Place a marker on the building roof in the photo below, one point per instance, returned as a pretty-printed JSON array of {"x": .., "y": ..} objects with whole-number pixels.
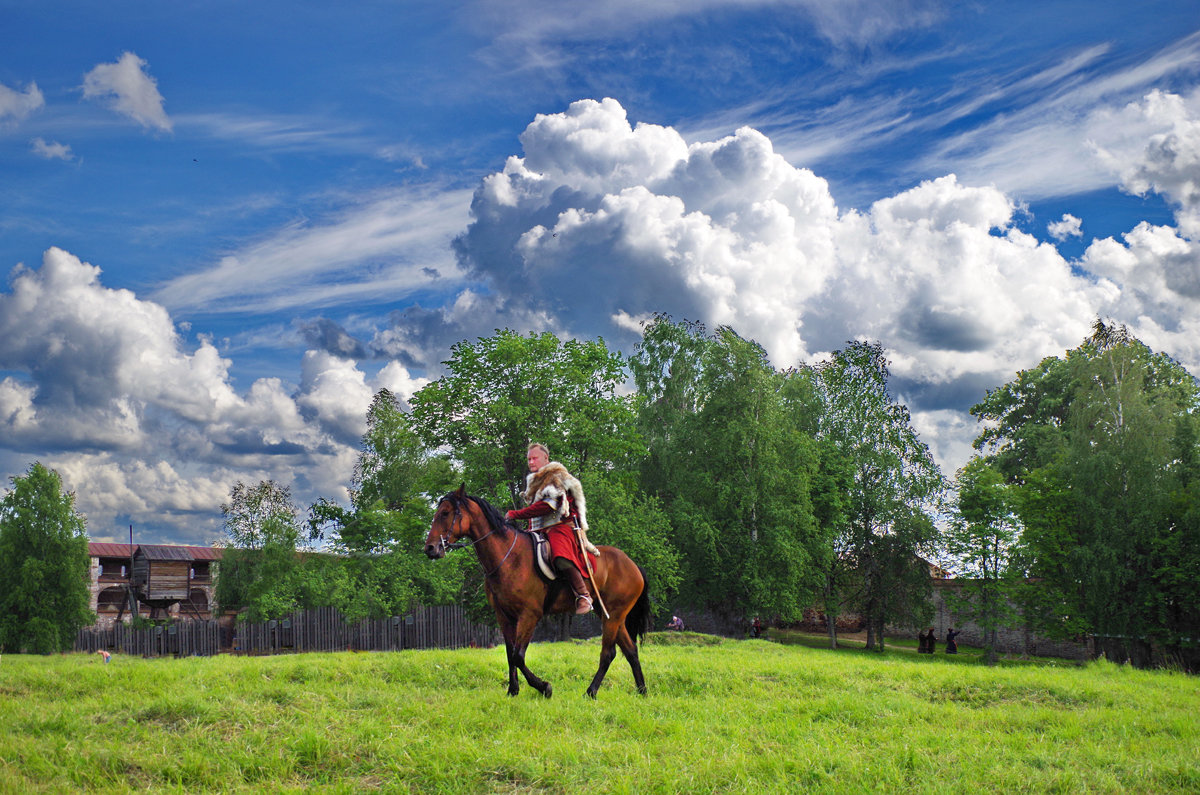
[{"x": 98, "y": 549}]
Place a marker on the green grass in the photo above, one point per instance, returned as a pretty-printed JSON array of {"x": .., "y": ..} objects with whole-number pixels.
[{"x": 732, "y": 716}]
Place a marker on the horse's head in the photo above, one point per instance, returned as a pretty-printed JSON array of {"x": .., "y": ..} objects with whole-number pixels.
[{"x": 450, "y": 523}]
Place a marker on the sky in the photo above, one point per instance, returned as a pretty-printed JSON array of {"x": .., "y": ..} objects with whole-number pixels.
[{"x": 225, "y": 225}]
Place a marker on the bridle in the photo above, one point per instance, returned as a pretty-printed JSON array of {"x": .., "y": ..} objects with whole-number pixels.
[{"x": 445, "y": 547}]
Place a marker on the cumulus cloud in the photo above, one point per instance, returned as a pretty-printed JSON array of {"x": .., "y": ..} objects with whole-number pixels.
[
  {"x": 328, "y": 336},
  {"x": 141, "y": 423},
  {"x": 127, "y": 87},
  {"x": 601, "y": 222},
  {"x": 16, "y": 105},
  {"x": 1069, "y": 226},
  {"x": 1169, "y": 164}
]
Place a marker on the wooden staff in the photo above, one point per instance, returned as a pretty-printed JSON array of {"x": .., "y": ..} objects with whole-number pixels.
[{"x": 587, "y": 561}]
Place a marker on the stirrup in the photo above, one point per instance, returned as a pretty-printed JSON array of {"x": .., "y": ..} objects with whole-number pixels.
[{"x": 583, "y": 604}]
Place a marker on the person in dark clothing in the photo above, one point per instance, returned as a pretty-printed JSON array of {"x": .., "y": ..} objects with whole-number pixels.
[
  {"x": 951, "y": 646},
  {"x": 930, "y": 642},
  {"x": 756, "y": 628},
  {"x": 922, "y": 642}
]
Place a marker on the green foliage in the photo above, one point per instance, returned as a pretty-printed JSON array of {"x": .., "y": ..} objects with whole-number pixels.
[
  {"x": 893, "y": 484},
  {"x": 620, "y": 515},
  {"x": 982, "y": 538},
  {"x": 260, "y": 570},
  {"x": 732, "y": 467},
  {"x": 1101, "y": 447},
  {"x": 380, "y": 537},
  {"x": 505, "y": 391},
  {"x": 43, "y": 565}
]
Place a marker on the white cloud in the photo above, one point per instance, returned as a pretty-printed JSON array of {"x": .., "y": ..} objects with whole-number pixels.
[
  {"x": 376, "y": 250},
  {"x": 1075, "y": 137},
  {"x": 1069, "y": 226},
  {"x": 157, "y": 429},
  {"x": 530, "y": 25},
  {"x": 16, "y": 105},
  {"x": 129, "y": 90},
  {"x": 1169, "y": 164},
  {"x": 52, "y": 150},
  {"x": 602, "y": 222}
]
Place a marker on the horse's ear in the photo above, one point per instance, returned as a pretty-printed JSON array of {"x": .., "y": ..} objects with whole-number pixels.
[{"x": 462, "y": 490}]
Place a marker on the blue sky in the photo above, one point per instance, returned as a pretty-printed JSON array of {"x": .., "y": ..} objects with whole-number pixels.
[{"x": 225, "y": 225}]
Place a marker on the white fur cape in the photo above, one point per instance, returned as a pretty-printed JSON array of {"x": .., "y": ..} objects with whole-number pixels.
[{"x": 551, "y": 484}]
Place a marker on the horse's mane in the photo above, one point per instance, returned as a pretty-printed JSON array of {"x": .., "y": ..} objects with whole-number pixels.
[{"x": 495, "y": 519}]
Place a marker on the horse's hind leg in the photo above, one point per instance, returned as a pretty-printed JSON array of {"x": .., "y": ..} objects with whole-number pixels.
[
  {"x": 629, "y": 649},
  {"x": 524, "y": 633},
  {"x": 607, "y": 652}
]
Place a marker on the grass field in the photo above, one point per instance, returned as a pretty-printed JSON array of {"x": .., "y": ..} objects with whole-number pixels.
[{"x": 732, "y": 716}]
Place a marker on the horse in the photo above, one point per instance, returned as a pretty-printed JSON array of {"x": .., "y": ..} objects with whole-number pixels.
[{"x": 520, "y": 595}]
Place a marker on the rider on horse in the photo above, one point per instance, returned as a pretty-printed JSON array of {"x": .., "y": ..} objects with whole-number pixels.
[{"x": 556, "y": 504}]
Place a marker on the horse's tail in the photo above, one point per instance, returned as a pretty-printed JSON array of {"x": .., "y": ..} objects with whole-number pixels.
[{"x": 637, "y": 620}]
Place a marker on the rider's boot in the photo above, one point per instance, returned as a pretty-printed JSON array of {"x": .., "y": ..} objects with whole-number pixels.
[{"x": 583, "y": 602}]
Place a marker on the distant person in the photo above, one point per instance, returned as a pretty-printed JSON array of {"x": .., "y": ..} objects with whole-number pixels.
[
  {"x": 676, "y": 624},
  {"x": 930, "y": 642},
  {"x": 756, "y": 628},
  {"x": 922, "y": 642},
  {"x": 951, "y": 646},
  {"x": 105, "y": 655}
]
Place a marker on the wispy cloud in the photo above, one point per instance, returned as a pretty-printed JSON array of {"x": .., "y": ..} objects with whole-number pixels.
[
  {"x": 857, "y": 22},
  {"x": 376, "y": 252},
  {"x": 292, "y": 133},
  {"x": 1045, "y": 148}
]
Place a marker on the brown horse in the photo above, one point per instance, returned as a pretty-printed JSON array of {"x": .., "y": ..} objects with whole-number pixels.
[{"x": 520, "y": 595}]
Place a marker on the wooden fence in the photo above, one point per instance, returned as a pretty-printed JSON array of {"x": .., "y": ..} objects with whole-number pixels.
[
  {"x": 181, "y": 639},
  {"x": 322, "y": 629}
]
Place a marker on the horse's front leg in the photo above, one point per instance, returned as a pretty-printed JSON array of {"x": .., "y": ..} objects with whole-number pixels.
[
  {"x": 508, "y": 629},
  {"x": 526, "y": 623}
]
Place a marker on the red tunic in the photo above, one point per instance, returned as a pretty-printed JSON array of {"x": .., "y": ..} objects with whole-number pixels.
[{"x": 563, "y": 541}]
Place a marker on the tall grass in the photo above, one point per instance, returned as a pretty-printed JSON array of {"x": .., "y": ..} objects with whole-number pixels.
[{"x": 737, "y": 716}]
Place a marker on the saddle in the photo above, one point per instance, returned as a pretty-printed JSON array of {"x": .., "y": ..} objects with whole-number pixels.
[{"x": 541, "y": 547}]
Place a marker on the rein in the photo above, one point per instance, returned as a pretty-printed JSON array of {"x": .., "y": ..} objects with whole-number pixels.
[{"x": 464, "y": 544}]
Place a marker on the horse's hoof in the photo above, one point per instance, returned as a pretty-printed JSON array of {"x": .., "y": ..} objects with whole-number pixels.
[
  {"x": 642, "y": 690},
  {"x": 512, "y": 691},
  {"x": 549, "y": 691},
  {"x": 591, "y": 694}
]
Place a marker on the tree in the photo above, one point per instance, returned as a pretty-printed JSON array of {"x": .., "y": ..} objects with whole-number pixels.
[
  {"x": 260, "y": 570},
  {"x": 502, "y": 392},
  {"x": 1105, "y": 498},
  {"x": 733, "y": 469},
  {"x": 894, "y": 482},
  {"x": 379, "y": 537},
  {"x": 43, "y": 565},
  {"x": 982, "y": 538}
]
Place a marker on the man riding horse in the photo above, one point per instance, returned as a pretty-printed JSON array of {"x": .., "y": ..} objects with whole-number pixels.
[{"x": 556, "y": 507}]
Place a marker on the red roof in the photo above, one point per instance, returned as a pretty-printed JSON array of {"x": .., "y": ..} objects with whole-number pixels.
[{"x": 99, "y": 549}]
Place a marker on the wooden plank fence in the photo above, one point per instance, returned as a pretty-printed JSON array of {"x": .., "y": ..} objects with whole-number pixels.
[
  {"x": 180, "y": 639},
  {"x": 321, "y": 629}
]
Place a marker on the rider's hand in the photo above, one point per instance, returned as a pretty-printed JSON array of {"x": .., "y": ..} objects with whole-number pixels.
[{"x": 509, "y": 516}]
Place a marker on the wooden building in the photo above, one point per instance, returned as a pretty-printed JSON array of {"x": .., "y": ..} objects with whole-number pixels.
[{"x": 180, "y": 579}]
